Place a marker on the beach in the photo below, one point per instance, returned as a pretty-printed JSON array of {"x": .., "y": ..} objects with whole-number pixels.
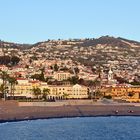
[{"x": 11, "y": 111}]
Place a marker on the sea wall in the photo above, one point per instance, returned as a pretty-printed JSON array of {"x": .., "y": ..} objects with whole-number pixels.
[{"x": 57, "y": 103}]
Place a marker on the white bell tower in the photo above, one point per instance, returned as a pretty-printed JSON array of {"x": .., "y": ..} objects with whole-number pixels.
[{"x": 110, "y": 75}]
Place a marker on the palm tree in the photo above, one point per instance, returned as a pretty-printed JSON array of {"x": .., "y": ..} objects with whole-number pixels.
[
  {"x": 65, "y": 95},
  {"x": 98, "y": 94},
  {"x": 4, "y": 77},
  {"x": 12, "y": 81},
  {"x": 1, "y": 90},
  {"x": 36, "y": 92},
  {"x": 46, "y": 92}
]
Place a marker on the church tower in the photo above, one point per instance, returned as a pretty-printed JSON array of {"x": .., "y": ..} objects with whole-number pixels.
[{"x": 110, "y": 75}]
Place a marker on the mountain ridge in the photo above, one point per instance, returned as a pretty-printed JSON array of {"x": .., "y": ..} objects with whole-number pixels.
[{"x": 103, "y": 40}]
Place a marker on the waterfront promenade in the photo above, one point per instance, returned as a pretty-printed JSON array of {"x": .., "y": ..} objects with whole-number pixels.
[{"x": 13, "y": 111}]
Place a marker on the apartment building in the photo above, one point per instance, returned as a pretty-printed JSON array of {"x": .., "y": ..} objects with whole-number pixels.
[{"x": 60, "y": 75}]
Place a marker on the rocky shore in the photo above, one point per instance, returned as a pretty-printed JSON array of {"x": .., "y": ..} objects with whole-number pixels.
[{"x": 11, "y": 111}]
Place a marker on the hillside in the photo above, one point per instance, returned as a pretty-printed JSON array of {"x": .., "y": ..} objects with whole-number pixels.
[
  {"x": 122, "y": 54},
  {"x": 104, "y": 40},
  {"x": 4, "y": 44}
]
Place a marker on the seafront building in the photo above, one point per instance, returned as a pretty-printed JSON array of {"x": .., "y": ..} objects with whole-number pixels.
[
  {"x": 103, "y": 82},
  {"x": 24, "y": 89},
  {"x": 122, "y": 92},
  {"x": 125, "y": 92}
]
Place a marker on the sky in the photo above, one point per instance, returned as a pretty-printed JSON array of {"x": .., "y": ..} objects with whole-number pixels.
[{"x": 31, "y": 21}]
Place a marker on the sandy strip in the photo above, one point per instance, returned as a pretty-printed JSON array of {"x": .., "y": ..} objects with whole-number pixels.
[{"x": 10, "y": 111}]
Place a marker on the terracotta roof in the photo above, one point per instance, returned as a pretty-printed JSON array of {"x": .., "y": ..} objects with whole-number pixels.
[{"x": 20, "y": 78}]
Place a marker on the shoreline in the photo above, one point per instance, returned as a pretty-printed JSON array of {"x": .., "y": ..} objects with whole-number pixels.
[
  {"x": 48, "y": 118},
  {"x": 10, "y": 111}
]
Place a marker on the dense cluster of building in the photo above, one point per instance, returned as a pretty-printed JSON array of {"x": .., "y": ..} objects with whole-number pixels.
[{"x": 109, "y": 70}]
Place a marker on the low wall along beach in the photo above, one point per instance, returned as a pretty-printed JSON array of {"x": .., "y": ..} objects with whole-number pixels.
[{"x": 57, "y": 103}]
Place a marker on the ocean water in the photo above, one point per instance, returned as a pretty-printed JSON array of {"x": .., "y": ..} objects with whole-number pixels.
[{"x": 92, "y": 128}]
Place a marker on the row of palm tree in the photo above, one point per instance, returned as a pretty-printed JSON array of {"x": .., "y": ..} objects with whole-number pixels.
[
  {"x": 45, "y": 93},
  {"x": 7, "y": 81},
  {"x": 12, "y": 81}
]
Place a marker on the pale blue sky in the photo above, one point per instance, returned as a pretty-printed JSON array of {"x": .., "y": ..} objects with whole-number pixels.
[{"x": 30, "y": 21}]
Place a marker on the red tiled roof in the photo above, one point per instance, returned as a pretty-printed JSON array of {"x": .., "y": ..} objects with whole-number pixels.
[{"x": 20, "y": 78}]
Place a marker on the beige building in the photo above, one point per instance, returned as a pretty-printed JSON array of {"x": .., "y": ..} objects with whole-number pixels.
[
  {"x": 70, "y": 92},
  {"x": 60, "y": 76}
]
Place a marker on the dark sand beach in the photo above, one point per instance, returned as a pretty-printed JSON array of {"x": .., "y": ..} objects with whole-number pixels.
[{"x": 11, "y": 111}]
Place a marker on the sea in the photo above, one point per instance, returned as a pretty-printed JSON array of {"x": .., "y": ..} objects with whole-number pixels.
[{"x": 86, "y": 128}]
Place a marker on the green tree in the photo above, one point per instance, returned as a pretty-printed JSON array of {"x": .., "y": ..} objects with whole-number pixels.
[
  {"x": 1, "y": 90},
  {"x": 56, "y": 67},
  {"x": 46, "y": 92},
  {"x": 42, "y": 78},
  {"x": 15, "y": 60},
  {"x": 131, "y": 94},
  {"x": 97, "y": 94},
  {"x": 36, "y": 92},
  {"x": 12, "y": 81},
  {"x": 76, "y": 70},
  {"x": 39, "y": 77},
  {"x": 65, "y": 95},
  {"x": 4, "y": 77},
  {"x": 73, "y": 80},
  {"x": 108, "y": 97}
]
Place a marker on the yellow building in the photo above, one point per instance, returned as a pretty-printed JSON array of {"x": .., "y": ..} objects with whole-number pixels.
[
  {"x": 131, "y": 93},
  {"x": 70, "y": 92},
  {"x": 24, "y": 88}
]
